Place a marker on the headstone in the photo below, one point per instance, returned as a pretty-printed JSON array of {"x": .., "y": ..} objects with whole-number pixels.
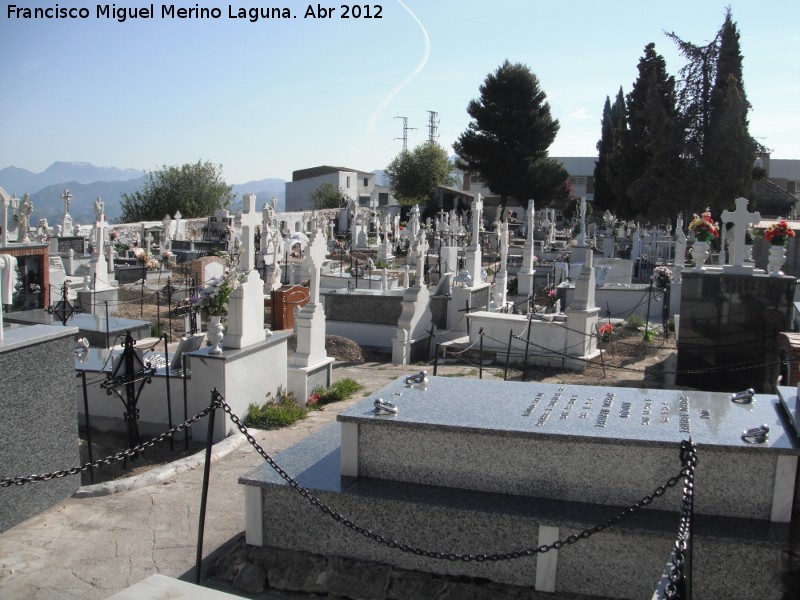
[
  {"x": 741, "y": 220},
  {"x": 310, "y": 366},
  {"x": 67, "y": 223},
  {"x": 526, "y": 274},
  {"x": 729, "y": 330},
  {"x": 246, "y": 303},
  {"x": 474, "y": 256}
]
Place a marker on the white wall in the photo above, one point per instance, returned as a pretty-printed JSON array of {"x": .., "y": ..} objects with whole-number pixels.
[{"x": 298, "y": 193}]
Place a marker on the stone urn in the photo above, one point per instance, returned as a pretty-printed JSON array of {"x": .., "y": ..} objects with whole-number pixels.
[
  {"x": 700, "y": 253},
  {"x": 777, "y": 256},
  {"x": 215, "y": 334}
]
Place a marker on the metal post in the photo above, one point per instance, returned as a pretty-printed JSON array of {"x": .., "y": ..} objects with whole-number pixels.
[
  {"x": 185, "y": 401},
  {"x": 141, "y": 298},
  {"x": 647, "y": 316},
  {"x": 204, "y": 492},
  {"x": 527, "y": 345},
  {"x": 508, "y": 353},
  {"x": 169, "y": 394},
  {"x": 480, "y": 355},
  {"x": 108, "y": 327},
  {"x": 82, "y": 375}
]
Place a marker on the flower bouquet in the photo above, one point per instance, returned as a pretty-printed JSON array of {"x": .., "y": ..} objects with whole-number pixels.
[
  {"x": 662, "y": 277},
  {"x": 704, "y": 227},
  {"x": 212, "y": 300},
  {"x": 605, "y": 331},
  {"x": 778, "y": 234}
]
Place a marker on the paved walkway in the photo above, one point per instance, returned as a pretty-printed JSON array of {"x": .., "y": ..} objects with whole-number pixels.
[{"x": 92, "y": 546}]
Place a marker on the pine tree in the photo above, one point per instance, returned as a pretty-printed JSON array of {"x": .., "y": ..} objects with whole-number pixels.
[
  {"x": 508, "y": 139},
  {"x": 604, "y": 197},
  {"x": 730, "y": 150}
]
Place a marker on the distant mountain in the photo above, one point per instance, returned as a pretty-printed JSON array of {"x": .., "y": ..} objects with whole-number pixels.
[
  {"x": 264, "y": 189},
  {"x": 48, "y": 204},
  {"x": 86, "y": 183},
  {"x": 20, "y": 181}
]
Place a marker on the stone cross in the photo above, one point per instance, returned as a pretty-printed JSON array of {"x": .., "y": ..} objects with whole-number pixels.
[
  {"x": 422, "y": 257},
  {"x": 531, "y": 217},
  {"x": 67, "y": 198},
  {"x": 477, "y": 211},
  {"x": 741, "y": 219},
  {"x": 315, "y": 256},
  {"x": 250, "y": 221}
]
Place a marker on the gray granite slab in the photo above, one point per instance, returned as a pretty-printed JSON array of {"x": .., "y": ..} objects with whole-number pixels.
[
  {"x": 735, "y": 558},
  {"x": 602, "y": 414}
]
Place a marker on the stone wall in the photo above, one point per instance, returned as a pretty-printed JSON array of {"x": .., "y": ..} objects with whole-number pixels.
[
  {"x": 367, "y": 309},
  {"x": 39, "y": 427}
]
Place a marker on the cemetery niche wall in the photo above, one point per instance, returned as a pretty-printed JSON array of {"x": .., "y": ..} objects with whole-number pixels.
[
  {"x": 729, "y": 330},
  {"x": 38, "y": 430}
]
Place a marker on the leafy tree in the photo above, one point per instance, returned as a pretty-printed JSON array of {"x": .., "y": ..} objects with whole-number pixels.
[
  {"x": 509, "y": 137},
  {"x": 415, "y": 175},
  {"x": 328, "y": 195},
  {"x": 196, "y": 190}
]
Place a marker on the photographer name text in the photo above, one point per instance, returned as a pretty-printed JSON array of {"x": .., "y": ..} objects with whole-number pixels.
[{"x": 121, "y": 14}]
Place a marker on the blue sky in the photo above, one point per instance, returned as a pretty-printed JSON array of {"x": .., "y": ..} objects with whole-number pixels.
[{"x": 269, "y": 97}]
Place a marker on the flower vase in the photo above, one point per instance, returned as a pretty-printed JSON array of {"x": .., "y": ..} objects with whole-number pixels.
[
  {"x": 777, "y": 256},
  {"x": 700, "y": 253},
  {"x": 215, "y": 334}
]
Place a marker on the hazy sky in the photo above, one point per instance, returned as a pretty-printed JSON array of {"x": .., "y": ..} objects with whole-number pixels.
[{"x": 268, "y": 97}]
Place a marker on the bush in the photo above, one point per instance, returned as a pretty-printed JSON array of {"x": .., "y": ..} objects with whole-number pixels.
[
  {"x": 635, "y": 322},
  {"x": 336, "y": 392},
  {"x": 274, "y": 413}
]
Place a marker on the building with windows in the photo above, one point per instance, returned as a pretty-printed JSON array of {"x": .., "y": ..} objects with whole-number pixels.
[{"x": 358, "y": 186}]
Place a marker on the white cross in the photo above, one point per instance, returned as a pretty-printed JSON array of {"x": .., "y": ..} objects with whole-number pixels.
[
  {"x": 315, "y": 255},
  {"x": 740, "y": 219},
  {"x": 477, "y": 210},
  {"x": 67, "y": 198},
  {"x": 422, "y": 257},
  {"x": 250, "y": 220}
]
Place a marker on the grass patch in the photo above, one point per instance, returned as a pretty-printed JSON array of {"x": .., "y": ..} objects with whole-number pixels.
[
  {"x": 462, "y": 374},
  {"x": 280, "y": 411},
  {"x": 336, "y": 392}
]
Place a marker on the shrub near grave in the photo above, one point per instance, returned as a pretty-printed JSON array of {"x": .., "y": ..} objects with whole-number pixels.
[
  {"x": 281, "y": 411},
  {"x": 336, "y": 392}
]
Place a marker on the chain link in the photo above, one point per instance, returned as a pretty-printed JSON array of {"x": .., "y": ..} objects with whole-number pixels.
[
  {"x": 688, "y": 459},
  {"x": 129, "y": 453},
  {"x": 677, "y": 580},
  {"x": 390, "y": 543}
]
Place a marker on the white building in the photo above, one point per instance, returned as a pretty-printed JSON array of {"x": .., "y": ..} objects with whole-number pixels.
[{"x": 356, "y": 185}]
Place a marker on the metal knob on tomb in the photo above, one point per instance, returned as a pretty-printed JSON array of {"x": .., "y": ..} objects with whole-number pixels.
[
  {"x": 756, "y": 435},
  {"x": 384, "y": 407},
  {"x": 745, "y": 397},
  {"x": 420, "y": 378}
]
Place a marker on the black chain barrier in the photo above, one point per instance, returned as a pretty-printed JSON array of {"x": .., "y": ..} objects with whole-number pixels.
[
  {"x": 129, "y": 453},
  {"x": 679, "y": 577},
  {"x": 390, "y": 543}
]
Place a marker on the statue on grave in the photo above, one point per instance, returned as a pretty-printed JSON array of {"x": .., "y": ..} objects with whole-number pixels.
[
  {"x": 24, "y": 213},
  {"x": 99, "y": 209}
]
